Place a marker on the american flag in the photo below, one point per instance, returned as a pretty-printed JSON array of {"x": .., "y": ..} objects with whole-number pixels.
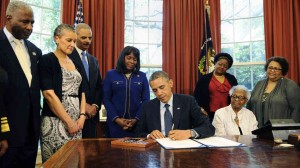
[{"x": 79, "y": 14}]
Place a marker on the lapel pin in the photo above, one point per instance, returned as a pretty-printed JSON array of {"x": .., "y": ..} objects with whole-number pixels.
[
  {"x": 138, "y": 76},
  {"x": 33, "y": 53},
  {"x": 178, "y": 108}
]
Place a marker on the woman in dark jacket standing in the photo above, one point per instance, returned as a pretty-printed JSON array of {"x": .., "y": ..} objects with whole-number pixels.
[{"x": 212, "y": 90}]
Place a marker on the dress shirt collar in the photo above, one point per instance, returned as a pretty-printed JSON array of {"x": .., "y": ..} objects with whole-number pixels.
[
  {"x": 10, "y": 37},
  {"x": 170, "y": 102},
  {"x": 79, "y": 51}
]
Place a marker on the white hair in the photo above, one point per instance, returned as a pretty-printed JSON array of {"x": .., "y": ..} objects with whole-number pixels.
[
  {"x": 15, "y": 5},
  {"x": 240, "y": 87}
]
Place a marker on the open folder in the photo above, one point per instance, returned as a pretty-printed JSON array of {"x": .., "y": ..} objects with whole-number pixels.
[{"x": 211, "y": 142}]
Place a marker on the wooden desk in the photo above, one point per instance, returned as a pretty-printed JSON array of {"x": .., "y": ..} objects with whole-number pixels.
[{"x": 99, "y": 153}]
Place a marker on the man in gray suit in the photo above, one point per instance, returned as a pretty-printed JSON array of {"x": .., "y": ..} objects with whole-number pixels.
[
  {"x": 19, "y": 58},
  {"x": 184, "y": 120},
  {"x": 91, "y": 78}
]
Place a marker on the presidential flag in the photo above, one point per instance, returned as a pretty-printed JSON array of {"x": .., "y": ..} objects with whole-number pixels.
[
  {"x": 206, "y": 58},
  {"x": 79, "y": 13}
]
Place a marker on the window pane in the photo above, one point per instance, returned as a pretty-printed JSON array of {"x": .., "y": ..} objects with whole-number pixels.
[
  {"x": 258, "y": 51},
  {"x": 144, "y": 53},
  {"x": 155, "y": 55},
  {"x": 258, "y": 73},
  {"x": 128, "y": 31},
  {"x": 33, "y": 2},
  {"x": 257, "y": 28},
  {"x": 54, "y": 4},
  {"x": 256, "y": 7},
  {"x": 242, "y": 52},
  {"x": 226, "y": 31},
  {"x": 129, "y": 9},
  {"x": 241, "y": 9},
  {"x": 37, "y": 19},
  {"x": 242, "y": 30},
  {"x": 155, "y": 10},
  {"x": 144, "y": 30},
  {"x": 228, "y": 48},
  {"x": 47, "y": 44},
  {"x": 228, "y": 13},
  {"x": 140, "y": 32},
  {"x": 243, "y": 75},
  {"x": 155, "y": 32},
  {"x": 50, "y": 20},
  {"x": 35, "y": 38},
  {"x": 141, "y": 10}
]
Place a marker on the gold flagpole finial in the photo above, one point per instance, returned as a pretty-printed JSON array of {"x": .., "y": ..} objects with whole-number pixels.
[{"x": 207, "y": 7}]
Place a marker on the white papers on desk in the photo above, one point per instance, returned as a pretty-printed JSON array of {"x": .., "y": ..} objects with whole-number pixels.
[
  {"x": 219, "y": 142},
  {"x": 179, "y": 144},
  {"x": 211, "y": 142}
]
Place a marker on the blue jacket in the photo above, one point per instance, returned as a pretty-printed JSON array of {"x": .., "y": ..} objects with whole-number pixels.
[{"x": 123, "y": 98}]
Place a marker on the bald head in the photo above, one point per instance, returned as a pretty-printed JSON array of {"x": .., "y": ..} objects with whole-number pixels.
[
  {"x": 19, "y": 19},
  {"x": 84, "y": 36}
]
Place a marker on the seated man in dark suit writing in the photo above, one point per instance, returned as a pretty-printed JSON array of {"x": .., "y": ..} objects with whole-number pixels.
[{"x": 172, "y": 115}]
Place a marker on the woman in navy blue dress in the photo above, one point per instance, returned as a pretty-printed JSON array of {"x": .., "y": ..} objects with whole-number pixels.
[{"x": 126, "y": 89}]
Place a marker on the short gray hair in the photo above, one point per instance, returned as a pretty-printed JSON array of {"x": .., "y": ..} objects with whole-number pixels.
[
  {"x": 58, "y": 30},
  {"x": 240, "y": 87},
  {"x": 15, "y": 5},
  {"x": 80, "y": 26},
  {"x": 159, "y": 74}
]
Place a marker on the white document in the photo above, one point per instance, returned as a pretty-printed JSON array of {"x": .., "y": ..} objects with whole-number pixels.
[
  {"x": 211, "y": 142},
  {"x": 179, "y": 144},
  {"x": 219, "y": 142}
]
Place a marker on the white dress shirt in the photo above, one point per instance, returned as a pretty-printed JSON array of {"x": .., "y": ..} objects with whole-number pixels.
[
  {"x": 225, "y": 125},
  {"x": 162, "y": 113}
]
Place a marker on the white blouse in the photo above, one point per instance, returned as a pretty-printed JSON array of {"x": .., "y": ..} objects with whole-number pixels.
[{"x": 225, "y": 124}]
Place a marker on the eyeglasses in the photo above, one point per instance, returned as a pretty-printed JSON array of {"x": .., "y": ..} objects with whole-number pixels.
[
  {"x": 235, "y": 97},
  {"x": 274, "y": 69}
]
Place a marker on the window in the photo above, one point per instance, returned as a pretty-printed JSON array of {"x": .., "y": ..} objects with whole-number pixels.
[
  {"x": 47, "y": 15},
  {"x": 242, "y": 35},
  {"x": 143, "y": 29}
]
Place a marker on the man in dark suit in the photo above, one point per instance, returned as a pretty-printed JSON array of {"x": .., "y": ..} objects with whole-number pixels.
[
  {"x": 19, "y": 58},
  {"x": 4, "y": 127},
  {"x": 91, "y": 78},
  {"x": 185, "y": 119}
]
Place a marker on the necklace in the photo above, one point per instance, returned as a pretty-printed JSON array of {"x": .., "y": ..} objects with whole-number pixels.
[{"x": 67, "y": 60}]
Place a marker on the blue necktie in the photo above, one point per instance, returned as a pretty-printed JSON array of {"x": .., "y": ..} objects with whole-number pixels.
[
  {"x": 168, "y": 120},
  {"x": 85, "y": 64}
]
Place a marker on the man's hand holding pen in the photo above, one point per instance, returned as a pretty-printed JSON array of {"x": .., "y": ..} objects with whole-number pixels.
[{"x": 179, "y": 134}]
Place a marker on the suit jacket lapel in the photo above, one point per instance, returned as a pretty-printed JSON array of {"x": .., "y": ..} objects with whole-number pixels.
[
  {"x": 91, "y": 68},
  {"x": 77, "y": 59},
  {"x": 33, "y": 57},
  {"x": 7, "y": 49},
  {"x": 10, "y": 54},
  {"x": 156, "y": 115},
  {"x": 176, "y": 111}
]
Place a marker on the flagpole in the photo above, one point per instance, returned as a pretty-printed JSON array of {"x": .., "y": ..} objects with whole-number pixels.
[{"x": 206, "y": 46}]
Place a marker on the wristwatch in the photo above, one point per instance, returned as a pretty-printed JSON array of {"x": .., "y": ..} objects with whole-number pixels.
[
  {"x": 193, "y": 133},
  {"x": 97, "y": 107}
]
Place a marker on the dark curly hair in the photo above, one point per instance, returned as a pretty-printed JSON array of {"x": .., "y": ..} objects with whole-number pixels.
[
  {"x": 121, "y": 67},
  {"x": 224, "y": 56},
  {"x": 280, "y": 60}
]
